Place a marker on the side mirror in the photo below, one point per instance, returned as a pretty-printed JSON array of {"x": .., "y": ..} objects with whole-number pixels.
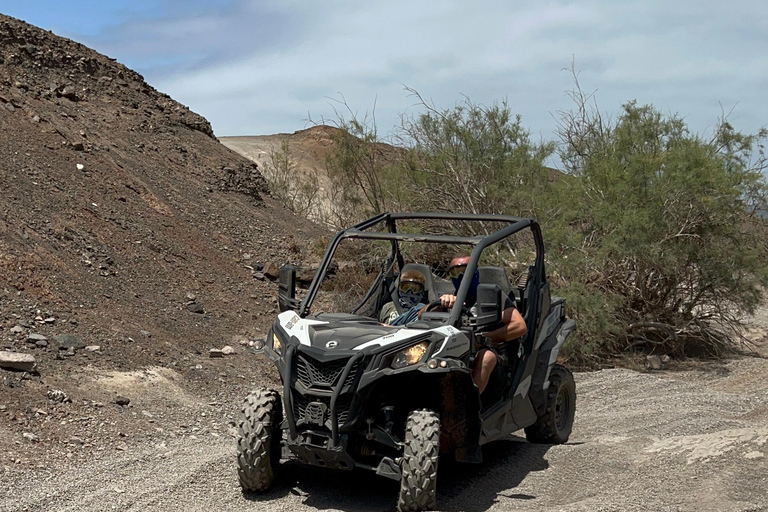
[
  {"x": 286, "y": 292},
  {"x": 489, "y": 306}
]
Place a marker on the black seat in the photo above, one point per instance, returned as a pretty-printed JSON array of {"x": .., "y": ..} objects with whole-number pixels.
[
  {"x": 497, "y": 276},
  {"x": 443, "y": 287}
]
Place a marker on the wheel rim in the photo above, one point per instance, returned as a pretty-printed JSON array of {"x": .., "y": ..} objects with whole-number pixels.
[{"x": 562, "y": 408}]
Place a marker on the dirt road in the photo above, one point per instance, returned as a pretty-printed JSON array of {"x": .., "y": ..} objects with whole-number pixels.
[{"x": 683, "y": 440}]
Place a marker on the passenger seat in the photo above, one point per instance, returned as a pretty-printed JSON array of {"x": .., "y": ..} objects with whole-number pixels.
[{"x": 498, "y": 276}]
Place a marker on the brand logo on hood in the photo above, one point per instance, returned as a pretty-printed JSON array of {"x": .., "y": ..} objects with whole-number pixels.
[{"x": 332, "y": 344}]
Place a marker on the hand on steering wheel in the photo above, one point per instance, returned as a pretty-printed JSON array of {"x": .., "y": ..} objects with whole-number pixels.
[
  {"x": 434, "y": 305},
  {"x": 445, "y": 303}
]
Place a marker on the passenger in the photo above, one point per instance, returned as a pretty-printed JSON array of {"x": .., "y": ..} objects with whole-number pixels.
[
  {"x": 487, "y": 358},
  {"x": 411, "y": 292}
]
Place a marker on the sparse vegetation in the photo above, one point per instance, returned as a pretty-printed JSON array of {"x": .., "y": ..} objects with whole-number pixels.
[
  {"x": 297, "y": 189},
  {"x": 655, "y": 233}
]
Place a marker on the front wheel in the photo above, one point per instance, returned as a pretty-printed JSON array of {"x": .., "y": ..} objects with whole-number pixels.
[
  {"x": 418, "y": 483},
  {"x": 258, "y": 444},
  {"x": 555, "y": 424}
]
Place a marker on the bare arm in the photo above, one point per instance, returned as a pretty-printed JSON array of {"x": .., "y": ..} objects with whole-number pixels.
[
  {"x": 514, "y": 327},
  {"x": 446, "y": 301}
]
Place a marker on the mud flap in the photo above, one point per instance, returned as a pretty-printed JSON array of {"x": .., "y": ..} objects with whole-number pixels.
[
  {"x": 460, "y": 422},
  {"x": 546, "y": 360}
]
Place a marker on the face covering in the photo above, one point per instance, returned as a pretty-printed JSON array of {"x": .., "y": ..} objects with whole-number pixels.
[
  {"x": 410, "y": 299},
  {"x": 472, "y": 292}
]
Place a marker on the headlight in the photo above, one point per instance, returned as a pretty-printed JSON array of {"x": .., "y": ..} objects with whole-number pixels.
[
  {"x": 277, "y": 345},
  {"x": 410, "y": 355}
]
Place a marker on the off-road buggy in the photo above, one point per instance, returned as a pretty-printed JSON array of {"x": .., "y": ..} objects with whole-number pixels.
[{"x": 360, "y": 394}]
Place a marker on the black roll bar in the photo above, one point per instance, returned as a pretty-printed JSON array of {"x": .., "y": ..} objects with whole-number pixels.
[{"x": 359, "y": 231}]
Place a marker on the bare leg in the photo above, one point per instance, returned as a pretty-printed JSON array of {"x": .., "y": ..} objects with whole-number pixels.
[{"x": 485, "y": 362}]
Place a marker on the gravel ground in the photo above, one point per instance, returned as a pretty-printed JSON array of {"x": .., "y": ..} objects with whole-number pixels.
[{"x": 682, "y": 440}]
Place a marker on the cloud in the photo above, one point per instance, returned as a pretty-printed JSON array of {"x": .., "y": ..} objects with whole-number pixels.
[{"x": 252, "y": 66}]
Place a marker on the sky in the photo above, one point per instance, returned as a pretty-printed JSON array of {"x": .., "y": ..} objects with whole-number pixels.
[{"x": 255, "y": 67}]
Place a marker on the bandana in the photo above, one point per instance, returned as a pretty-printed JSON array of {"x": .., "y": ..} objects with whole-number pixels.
[{"x": 410, "y": 299}]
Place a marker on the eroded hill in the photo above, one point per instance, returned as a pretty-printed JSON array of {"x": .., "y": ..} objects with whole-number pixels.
[{"x": 124, "y": 224}]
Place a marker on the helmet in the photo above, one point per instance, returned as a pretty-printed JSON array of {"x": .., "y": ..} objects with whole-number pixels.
[
  {"x": 411, "y": 288},
  {"x": 456, "y": 271}
]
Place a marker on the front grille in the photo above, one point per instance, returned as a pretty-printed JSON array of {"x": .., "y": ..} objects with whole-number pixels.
[
  {"x": 301, "y": 403},
  {"x": 312, "y": 372}
]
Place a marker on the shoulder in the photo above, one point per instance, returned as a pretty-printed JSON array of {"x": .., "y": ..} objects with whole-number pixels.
[{"x": 386, "y": 312}]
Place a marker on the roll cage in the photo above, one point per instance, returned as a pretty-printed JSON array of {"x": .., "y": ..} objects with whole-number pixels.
[{"x": 479, "y": 243}]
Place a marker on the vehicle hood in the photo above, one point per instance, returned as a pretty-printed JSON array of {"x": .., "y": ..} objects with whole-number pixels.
[{"x": 342, "y": 332}]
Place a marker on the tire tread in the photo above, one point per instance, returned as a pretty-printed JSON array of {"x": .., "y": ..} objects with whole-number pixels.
[
  {"x": 418, "y": 484},
  {"x": 260, "y": 415}
]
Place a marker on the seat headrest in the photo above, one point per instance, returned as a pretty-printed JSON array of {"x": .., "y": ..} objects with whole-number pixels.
[{"x": 497, "y": 276}]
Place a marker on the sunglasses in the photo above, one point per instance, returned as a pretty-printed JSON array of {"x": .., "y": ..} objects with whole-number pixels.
[
  {"x": 411, "y": 287},
  {"x": 457, "y": 271}
]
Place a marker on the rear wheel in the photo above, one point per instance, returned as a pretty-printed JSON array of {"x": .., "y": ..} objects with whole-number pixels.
[
  {"x": 258, "y": 445},
  {"x": 419, "y": 465},
  {"x": 555, "y": 424}
]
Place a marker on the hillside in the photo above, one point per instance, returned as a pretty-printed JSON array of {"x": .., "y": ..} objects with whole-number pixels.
[
  {"x": 123, "y": 223},
  {"x": 132, "y": 243}
]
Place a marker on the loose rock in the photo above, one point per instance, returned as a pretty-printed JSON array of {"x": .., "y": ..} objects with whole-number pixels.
[
  {"x": 122, "y": 400},
  {"x": 653, "y": 362},
  {"x": 32, "y": 438},
  {"x": 56, "y": 395},
  {"x": 69, "y": 93},
  {"x": 16, "y": 361},
  {"x": 228, "y": 351},
  {"x": 196, "y": 308},
  {"x": 69, "y": 341},
  {"x": 271, "y": 270}
]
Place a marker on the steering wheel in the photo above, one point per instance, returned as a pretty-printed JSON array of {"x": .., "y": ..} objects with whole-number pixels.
[
  {"x": 438, "y": 304},
  {"x": 434, "y": 305}
]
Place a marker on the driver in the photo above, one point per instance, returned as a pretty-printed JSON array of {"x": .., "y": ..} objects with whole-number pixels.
[
  {"x": 487, "y": 358},
  {"x": 411, "y": 292}
]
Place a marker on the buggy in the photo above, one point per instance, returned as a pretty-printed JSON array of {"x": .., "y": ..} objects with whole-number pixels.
[{"x": 357, "y": 393}]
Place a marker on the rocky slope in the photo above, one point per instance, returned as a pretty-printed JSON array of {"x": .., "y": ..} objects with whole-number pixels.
[{"x": 124, "y": 225}]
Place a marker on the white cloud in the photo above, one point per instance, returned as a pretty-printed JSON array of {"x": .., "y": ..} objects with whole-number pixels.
[{"x": 257, "y": 67}]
